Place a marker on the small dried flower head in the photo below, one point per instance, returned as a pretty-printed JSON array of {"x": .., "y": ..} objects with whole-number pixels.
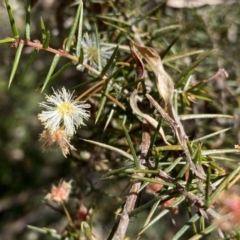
[
  {"x": 63, "y": 111},
  {"x": 82, "y": 213},
  {"x": 92, "y": 54},
  {"x": 60, "y": 193},
  {"x": 153, "y": 188},
  {"x": 166, "y": 204},
  {"x": 229, "y": 208},
  {"x": 57, "y": 139}
]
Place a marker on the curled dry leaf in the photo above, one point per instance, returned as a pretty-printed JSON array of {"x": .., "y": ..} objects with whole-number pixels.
[
  {"x": 165, "y": 83},
  {"x": 165, "y": 87},
  {"x": 149, "y": 119},
  {"x": 139, "y": 64}
]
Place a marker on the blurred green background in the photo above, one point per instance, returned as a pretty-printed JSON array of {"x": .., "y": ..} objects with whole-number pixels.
[{"x": 26, "y": 174}]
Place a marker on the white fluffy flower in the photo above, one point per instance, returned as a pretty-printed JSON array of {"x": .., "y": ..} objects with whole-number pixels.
[
  {"x": 91, "y": 53},
  {"x": 63, "y": 111}
]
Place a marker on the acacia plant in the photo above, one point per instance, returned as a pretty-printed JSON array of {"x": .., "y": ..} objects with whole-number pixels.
[{"x": 133, "y": 123}]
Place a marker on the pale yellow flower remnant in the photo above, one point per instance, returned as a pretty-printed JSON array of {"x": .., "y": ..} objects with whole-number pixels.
[{"x": 52, "y": 140}]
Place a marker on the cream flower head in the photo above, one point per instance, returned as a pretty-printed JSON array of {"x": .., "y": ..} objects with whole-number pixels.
[
  {"x": 92, "y": 53},
  {"x": 63, "y": 111}
]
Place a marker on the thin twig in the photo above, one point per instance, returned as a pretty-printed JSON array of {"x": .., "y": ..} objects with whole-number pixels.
[
  {"x": 133, "y": 193},
  {"x": 128, "y": 207},
  {"x": 178, "y": 129}
]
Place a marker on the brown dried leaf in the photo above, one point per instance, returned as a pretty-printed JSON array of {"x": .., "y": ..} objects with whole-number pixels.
[
  {"x": 148, "y": 118},
  {"x": 164, "y": 81},
  {"x": 165, "y": 87},
  {"x": 139, "y": 64}
]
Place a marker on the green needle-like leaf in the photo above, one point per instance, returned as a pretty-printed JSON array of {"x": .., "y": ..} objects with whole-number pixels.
[
  {"x": 210, "y": 135},
  {"x": 7, "y": 40},
  {"x": 151, "y": 11},
  {"x": 205, "y": 232},
  {"x": 46, "y": 231},
  {"x": 79, "y": 36},
  {"x": 44, "y": 31},
  {"x": 73, "y": 29},
  {"x": 51, "y": 70},
  {"x": 129, "y": 169},
  {"x": 113, "y": 19},
  {"x": 182, "y": 55},
  {"x": 102, "y": 104},
  {"x": 130, "y": 144},
  {"x": 224, "y": 184},
  {"x": 186, "y": 227},
  {"x": 204, "y": 115},
  {"x": 45, "y": 34},
  {"x": 60, "y": 71},
  {"x": 154, "y": 208},
  {"x": 109, "y": 119},
  {"x": 11, "y": 19},
  {"x": 114, "y": 149},
  {"x": 150, "y": 180},
  {"x": 29, "y": 64},
  {"x": 46, "y": 40},
  {"x": 219, "y": 151},
  {"x": 99, "y": 60},
  {"x": 110, "y": 61},
  {"x": 164, "y": 30},
  {"x": 28, "y": 20},
  {"x": 162, "y": 213},
  {"x": 180, "y": 78},
  {"x": 16, "y": 62}
]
